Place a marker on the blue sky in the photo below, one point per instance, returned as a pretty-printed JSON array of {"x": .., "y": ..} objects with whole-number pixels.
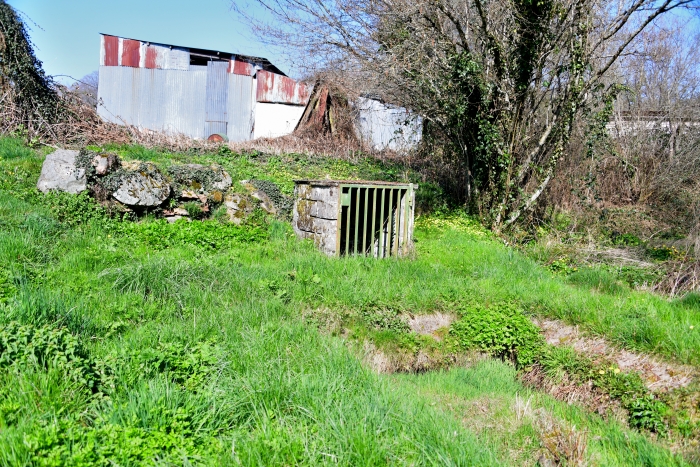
[{"x": 67, "y": 36}]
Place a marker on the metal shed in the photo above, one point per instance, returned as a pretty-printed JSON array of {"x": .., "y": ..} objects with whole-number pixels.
[
  {"x": 355, "y": 218},
  {"x": 195, "y": 92}
]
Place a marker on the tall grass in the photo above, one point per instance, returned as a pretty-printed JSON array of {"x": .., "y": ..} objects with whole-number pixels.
[
  {"x": 202, "y": 357},
  {"x": 492, "y": 384}
]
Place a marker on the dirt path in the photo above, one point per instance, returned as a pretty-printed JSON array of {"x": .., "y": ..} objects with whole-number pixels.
[{"x": 658, "y": 375}]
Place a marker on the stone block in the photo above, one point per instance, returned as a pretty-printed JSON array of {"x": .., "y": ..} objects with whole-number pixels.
[{"x": 59, "y": 172}]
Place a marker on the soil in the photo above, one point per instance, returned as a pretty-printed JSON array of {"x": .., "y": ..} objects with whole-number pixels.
[{"x": 658, "y": 375}]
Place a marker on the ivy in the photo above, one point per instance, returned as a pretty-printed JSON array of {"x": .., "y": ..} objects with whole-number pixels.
[{"x": 21, "y": 72}]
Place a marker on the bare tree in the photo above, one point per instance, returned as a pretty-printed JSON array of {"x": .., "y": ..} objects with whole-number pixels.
[
  {"x": 86, "y": 88},
  {"x": 498, "y": 83}
]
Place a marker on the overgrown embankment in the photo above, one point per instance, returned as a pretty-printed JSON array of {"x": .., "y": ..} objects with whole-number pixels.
[{"x": 192, "y": 340}]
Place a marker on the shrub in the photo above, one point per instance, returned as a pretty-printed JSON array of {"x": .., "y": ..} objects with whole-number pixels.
[{"x": 502, "y": 330}]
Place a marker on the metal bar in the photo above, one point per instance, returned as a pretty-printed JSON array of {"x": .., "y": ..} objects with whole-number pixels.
[
  {"x": 364, "y": 224},
  {"x": 374, "y": 220},
  {"x": 357, "y": 218},
  {"x": 397, "y": 232},
  {"x": 381, "y": 226},
  {"x": 347, "y": 227},
  {"x": 406, "y": 200},
  {"x": 390, "y": 223},
  {"x": 393, "y": 223}
]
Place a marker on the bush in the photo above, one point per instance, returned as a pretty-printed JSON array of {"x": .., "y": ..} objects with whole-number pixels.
[{"x": 502, "y": 330}]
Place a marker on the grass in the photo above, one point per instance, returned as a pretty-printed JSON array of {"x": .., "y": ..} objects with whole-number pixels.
[
  {"x": 194, "y": 339},
  {"x": 512, "y": 419}
]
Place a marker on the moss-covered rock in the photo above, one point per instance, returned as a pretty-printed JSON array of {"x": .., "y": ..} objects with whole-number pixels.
[
  {"x": 138, "y": 184},
  {"x": 199, "y": 178}
]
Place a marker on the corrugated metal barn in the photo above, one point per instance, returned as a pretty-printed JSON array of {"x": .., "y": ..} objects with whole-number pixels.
[
  {"x": 385, "y": 126},
  {"x": 195, "y": 92}
]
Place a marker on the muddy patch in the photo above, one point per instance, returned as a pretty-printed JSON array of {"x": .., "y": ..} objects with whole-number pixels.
[
  {"x": 658, "y": 375},
  {"x": 397, "y": 361},
  {"x": 429, "y": 324}
]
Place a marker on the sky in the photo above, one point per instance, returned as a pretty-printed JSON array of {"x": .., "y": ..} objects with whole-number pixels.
[{"x": 67, "y": 41}]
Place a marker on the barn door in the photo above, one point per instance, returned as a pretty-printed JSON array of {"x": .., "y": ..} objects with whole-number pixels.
[{"x": 217, "y": 98}]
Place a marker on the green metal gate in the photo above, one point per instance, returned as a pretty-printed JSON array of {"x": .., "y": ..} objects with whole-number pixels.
[{"x": 375, "y": 220}]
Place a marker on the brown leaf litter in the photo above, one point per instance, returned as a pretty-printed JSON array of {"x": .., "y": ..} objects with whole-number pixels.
[{"x": 658, "y": 375}]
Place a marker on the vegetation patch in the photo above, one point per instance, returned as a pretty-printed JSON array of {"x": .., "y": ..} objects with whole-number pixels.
[
  {"x": 501, "y": 329},
  {"x": 45, "y": 347},
  {"x": 283, "y": 203},
  {"x": 196, "y": 177}
]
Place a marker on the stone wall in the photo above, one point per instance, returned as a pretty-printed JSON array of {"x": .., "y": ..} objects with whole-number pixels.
[{"x": 315, "y": 213}]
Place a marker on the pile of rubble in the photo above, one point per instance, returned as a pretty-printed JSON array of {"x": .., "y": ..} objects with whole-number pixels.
[{"x": 181, "y": 191}]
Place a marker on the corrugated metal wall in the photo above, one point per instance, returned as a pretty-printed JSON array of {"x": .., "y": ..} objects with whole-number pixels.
[
  {"x": 387, "y": 127},
  {"x": 163, "y": 100},
  {"x": 216, "y": 98},
  {"x": 175, "y": 101},
  {"x": 272, "y": 88},
  {"x": 240, "y": 108}
]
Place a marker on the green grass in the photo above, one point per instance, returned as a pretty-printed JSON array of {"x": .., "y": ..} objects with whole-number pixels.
[
  {"x": 508, "y": 417},
  {"x": 195, "y": 338}
]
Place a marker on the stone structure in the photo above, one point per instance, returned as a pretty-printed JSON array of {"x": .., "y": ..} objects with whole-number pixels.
[{"x": 351, "y": 217}]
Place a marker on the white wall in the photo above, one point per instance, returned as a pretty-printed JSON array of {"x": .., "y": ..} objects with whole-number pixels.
[{"x": 272, "y": 120}]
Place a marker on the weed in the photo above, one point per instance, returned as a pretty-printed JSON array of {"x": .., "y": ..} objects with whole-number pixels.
[
  {"x": 383, "y": 318},
  {"x": 194, "y": 210},
  {"x": 644, "y": 410},
  {"x": 626, "y": 239},
  {"x": 502, "y": 329},
  {"x": 74, "y": 210},
  {"x": 206, "y": 235},
  {"x": 646, "y": 413},
  {"x": 45, "y": 347},
  {"x": 663, "y": 253},
  {"x": 7, "y": 286}
]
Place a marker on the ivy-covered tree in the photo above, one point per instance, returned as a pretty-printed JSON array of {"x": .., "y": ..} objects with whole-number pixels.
[
  {"x": 22, "y": 79},
  {"x": 499, "y": 83}
]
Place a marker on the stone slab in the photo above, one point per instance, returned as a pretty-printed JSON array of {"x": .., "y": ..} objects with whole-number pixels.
[{"x": 59, "y": 172}]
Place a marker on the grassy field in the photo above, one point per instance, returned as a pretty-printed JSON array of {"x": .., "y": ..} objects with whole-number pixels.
[{"x": 189, "y": 343}]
